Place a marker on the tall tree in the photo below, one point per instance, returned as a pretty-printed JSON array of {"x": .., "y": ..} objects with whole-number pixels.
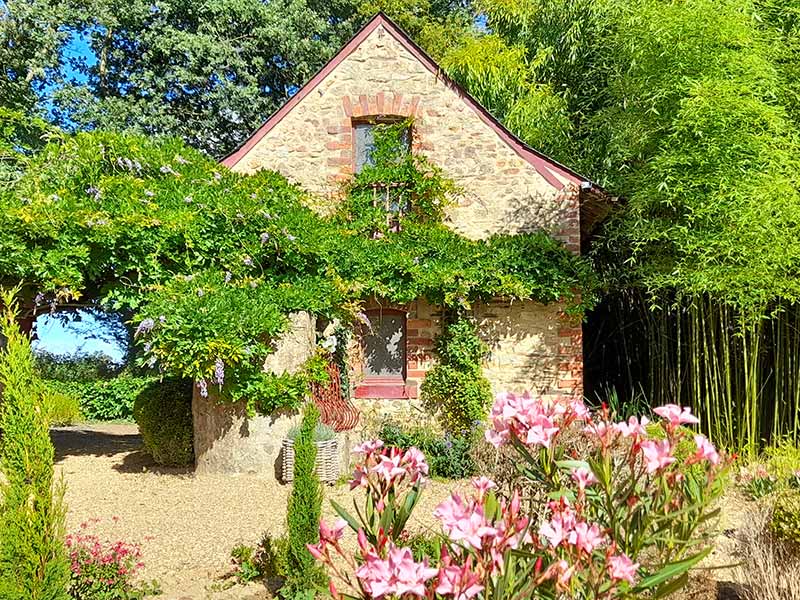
[
  {"x": 30, "y": 38},
  {"x": 211, "y": 72}
]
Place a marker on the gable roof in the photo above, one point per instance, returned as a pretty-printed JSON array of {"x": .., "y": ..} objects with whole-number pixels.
[{"x": 545, "y": 166}]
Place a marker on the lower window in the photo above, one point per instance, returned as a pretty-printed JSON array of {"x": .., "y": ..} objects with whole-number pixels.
[{"x": 384, "y": 356}]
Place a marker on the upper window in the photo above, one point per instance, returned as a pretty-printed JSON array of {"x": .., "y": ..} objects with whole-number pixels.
[{"x": 364, "y": 140}]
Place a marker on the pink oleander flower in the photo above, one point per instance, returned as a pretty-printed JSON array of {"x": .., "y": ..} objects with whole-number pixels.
[
  {"x": 586, "y": 537},
  {"x": 483, "y": 485},
  {"x": 579, "y": 410},
  {"x": 657, "y": 454},
  {"x": 583, "y": 477},
  {"x": 415, "y": 464},
  {"x": 676, "y": 415},
  {"x": 554, "y": 531},
  {"x": 633, "y": 427},
  {"x": 534, "y": 421},
  {"x": 561, "y": 524},
  {"x": 622, "y": 568},
  {"x": 360, "y": 478},
  {"x": 388, "y": 467},
  {"x": 562, "y": 572},
  {"x": 464, "y": 522},
  {"x": 332, "y": 534},
  {"x": 541, "y": 432},
  {"x": 602, "y": 430},
  {"x": 459, "y": 582},
  {"x": 396, "y": 575},
  {"x": 368, "y": 447},
  {"x": 705, "y": 450}
]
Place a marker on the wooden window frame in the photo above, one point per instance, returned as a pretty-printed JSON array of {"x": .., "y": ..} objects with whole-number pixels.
[{"x": 393, "y": 387}]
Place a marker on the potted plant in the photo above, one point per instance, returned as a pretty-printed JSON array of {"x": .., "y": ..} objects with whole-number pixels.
[{"x": 327, "y": 463}]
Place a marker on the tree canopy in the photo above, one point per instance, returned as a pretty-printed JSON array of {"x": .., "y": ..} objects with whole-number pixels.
[{"x": 208, "y": 72}]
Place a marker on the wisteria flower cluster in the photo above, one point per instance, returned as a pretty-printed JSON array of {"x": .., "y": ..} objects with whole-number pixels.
[
  {"x": 101, "y": 568},
  {"x": 625, "y": 519}
]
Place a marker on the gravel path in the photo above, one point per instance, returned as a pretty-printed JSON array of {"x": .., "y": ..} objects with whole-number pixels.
[{"x": 186, "y": 524}]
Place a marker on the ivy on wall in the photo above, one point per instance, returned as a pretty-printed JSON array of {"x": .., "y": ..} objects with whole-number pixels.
[{"x": 211, "y": 261}]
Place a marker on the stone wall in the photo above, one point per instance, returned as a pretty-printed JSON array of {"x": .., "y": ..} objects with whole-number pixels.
[
  {"x": 226, "y": 440},
  {"x": 533, "y": 346},
  {"x": 501, "y": 192}
]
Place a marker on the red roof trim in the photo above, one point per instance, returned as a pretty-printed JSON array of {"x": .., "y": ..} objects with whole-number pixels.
[{"x": 545, "y": 166}]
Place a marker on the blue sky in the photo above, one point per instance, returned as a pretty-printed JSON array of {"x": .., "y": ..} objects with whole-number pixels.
[{"x": 73, "y": 337}]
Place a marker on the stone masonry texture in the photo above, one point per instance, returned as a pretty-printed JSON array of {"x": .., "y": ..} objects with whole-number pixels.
[{"x": 533, "y": 346}]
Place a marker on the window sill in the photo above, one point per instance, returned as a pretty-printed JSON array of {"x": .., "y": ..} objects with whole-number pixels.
[{"x": 383, "y": 390}]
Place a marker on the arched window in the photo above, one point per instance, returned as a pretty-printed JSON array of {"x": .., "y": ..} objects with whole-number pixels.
[{"x": 364, "y": 138}]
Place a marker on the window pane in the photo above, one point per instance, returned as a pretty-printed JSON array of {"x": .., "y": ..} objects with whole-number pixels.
[
  {"x": 385, "y": 346},
  {"x": 365, "y": 143}
]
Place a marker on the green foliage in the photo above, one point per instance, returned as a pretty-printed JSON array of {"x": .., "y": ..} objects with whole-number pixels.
[
  {"x": 30, "y": 40},
  {"x": 60, "y": 408},
  {"x": 104, "y": 399},
  {"x": 424, "y": 546},
  {"x": 304, "y": 511},
  {"x": 33, "y": 560},
  {"x": 455, "y": 388},
  {"x": 152, "y": 227},
  {"x": 448, "y": 456},
  {"x": 163, "y": 411},
  {"x": 20, "y": 136},
  {"x": 322, "y": 433},
  {"x": 413, "y": 189},
  {"x": 785, "y": 521},
  {"x": 75, "y": 367},
  {"x": 186, "y": 70},
  {"x": 246, "y": 561},
  {"x": 783, "y": 458}
]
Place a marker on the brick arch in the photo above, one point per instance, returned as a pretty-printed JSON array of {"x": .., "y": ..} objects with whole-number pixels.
[
  {"x": 380, "y": 104},
  {"x": 366, "y": 106}
]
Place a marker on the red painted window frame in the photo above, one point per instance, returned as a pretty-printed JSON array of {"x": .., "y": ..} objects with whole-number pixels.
[{"x": 387, "y": 388}]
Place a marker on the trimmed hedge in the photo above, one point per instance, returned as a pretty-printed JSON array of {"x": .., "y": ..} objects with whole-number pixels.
[{"x": 163, "y": 411}]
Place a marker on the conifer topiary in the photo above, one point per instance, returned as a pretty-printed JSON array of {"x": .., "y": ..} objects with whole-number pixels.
[
  {"x": 33, "y": 559},
  {"x": 305, "y": 510}
]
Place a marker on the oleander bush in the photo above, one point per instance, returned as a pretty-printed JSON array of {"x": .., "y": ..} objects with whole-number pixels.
[
  {"x": 623, "y": 520},
  {"x": 163, "y": 412}
]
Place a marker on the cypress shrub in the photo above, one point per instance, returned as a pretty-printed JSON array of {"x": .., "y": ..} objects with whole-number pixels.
[
  {"x": 33, "y": 559},
  {"x": 305, "y": 510}
]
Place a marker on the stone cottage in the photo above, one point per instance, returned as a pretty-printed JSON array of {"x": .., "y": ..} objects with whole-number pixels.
[{"x": 321, "y": 136}]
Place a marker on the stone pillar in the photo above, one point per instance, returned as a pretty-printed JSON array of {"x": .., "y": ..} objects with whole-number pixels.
[{"x": 225, "y": 439}]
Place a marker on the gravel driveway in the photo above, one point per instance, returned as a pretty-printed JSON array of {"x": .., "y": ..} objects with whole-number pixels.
[{"x": 186, "y": 524}]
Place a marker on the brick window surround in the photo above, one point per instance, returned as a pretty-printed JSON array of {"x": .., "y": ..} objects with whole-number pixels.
[{"x": 385, "y": 367}]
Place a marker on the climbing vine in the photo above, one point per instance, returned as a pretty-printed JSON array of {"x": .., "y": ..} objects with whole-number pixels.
[
  {"x": 455, "y": 389},
  {"x": 211, "y": 262}
]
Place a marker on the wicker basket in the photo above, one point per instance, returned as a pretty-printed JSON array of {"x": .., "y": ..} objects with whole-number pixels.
[{"x": 327, "y": 460}]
